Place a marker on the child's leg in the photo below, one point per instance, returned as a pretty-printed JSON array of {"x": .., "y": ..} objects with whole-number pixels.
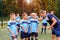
[
  {"x": 32, "y": 36},
  {"x": 18, "y": 27},
  {"x": 22, "y": 35},
  {"x": 28, "y": 36},
  {"x": 42, "y": 30},
  {"x": 36, "y": 36},
  {"x": 14, "y": 38},
  {"x": 21, "y": 38},
  {"x": 45, "y": 29}
]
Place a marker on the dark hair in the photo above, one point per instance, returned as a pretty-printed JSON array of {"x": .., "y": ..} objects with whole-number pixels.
[{"x": 24, "y": 13}]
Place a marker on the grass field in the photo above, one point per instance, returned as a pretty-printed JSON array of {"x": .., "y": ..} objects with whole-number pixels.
[{"x": 5, "y": 36}]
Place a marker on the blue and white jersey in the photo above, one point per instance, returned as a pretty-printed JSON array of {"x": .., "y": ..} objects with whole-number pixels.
[
  {"x": 12, "y": 26},
  {"x": 34, "y": 24},
  {"x": 24, "y": 24},
  {"x": 49, "y": 17},
  {"x": 18, "y": 19},
  {"x": 44, "y": 21}
]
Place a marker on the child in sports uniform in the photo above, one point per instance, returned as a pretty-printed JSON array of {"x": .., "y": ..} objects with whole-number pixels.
[
  {"x": 12, "y": 27},
  {"x": 24, "y": 27},
  {"x": 18, "y": 21},
  {"x": 44, "y": 24},
  {"x": 34, "y": 27}
]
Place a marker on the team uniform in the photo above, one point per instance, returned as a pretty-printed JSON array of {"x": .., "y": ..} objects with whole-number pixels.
[
  {"x": 18, "y": 22},
  {"x": 29, "y": 34},
  {"x": 13, "y": 27},
  {"x": 44, "y": 22},
  {"x": 34, "y": 26},
  {"x": 56, "y": 27},
  {"x": 25, "y": 24}
]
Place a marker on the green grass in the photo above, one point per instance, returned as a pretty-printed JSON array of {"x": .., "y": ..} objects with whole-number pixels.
[{"x": 5, "y": 36}]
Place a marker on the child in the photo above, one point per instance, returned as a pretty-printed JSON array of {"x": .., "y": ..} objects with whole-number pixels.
[
  {"x": 44, "y": 24},
  {"x": 12, "y": 28},
  {"x": 24, "y": 27},
  {"x": 18, "y": 21},
  {"x": 34, "y": 27}
]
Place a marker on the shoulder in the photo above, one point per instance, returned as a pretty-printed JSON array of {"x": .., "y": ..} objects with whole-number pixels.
[
  {"x": 48, "y": 14},
  {"x": 9, "y": 22},
  {"x": 21, "y": 20}
]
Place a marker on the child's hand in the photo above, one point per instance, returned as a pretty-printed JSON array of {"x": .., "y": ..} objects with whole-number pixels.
[
  {"x": 13, "y": 35},
  {"x": 17, "y": 33},
  {"x": 25, "y": 31}
]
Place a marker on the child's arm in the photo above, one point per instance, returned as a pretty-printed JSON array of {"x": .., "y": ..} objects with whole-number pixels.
[
  {"x": 37, "y": 26},
  {"x": 22, "y": 27},
  {"x": 30, "y": 29},
  {"x": 26, "y": 30},
  {"x": 41, "y": 18},
  {"x": 10, "y": 29},
  {"x": 11, "y": 32},
  {"x": 37, "y": 30}
]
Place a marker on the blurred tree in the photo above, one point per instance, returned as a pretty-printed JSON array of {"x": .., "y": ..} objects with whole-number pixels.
[{"x": 34, "y": 6}]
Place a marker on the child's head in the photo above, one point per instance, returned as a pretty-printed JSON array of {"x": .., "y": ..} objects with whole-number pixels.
[
  {"x": 17, "y": 14},
  {"x": 42, "y": 13},
  {"x": 25, "y": 16},
  {"x": 33, "y": 15},
  {"x": 12, "y": 16}
]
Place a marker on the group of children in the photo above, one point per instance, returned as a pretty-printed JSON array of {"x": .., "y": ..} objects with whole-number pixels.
[{"x": 27, "y": 26}]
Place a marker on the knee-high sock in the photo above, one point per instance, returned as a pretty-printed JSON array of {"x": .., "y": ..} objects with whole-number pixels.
[
  {"x": 44, "y": 30},
  {"x": 31, "y": 38},
  {"x": 41, "y": 30}
]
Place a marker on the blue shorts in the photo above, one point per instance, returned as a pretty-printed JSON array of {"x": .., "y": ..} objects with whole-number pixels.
[
  {"x": 56, "y": 32},
  {"x": 29, "y": 34},
  {"x": 44, "y": 24},
  {"x": 24, "y": 35},
  {"x": 34, "y": 34},
  {"x": 14, "y": 37}
]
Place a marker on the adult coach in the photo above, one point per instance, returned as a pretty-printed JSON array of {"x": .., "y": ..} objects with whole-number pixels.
[{"x": 53, "y": 21}]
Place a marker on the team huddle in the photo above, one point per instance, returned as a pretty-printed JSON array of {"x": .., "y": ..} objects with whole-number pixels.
[{"x": 28, "y": 25}]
